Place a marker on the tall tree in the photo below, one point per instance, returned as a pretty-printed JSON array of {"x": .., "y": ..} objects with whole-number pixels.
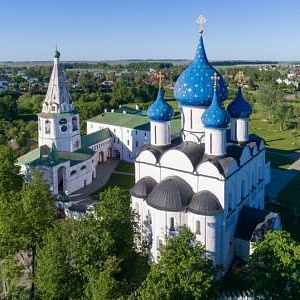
[
  {"x": 24, "y": 219},
  {"x": 275, "y": 265},
  {"x": 182, "y": 272}
]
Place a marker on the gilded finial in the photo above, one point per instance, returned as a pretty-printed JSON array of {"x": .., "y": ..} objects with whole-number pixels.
[
  {"x": 215, "y": 78},
  {"x": 201, "y": 20},
  {"x": 160, "y": 79},
  {"x": 240, "y": 78}
]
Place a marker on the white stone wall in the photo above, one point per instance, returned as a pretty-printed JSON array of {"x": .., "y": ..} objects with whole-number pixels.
[
  {"x": 215, "y": 141},
  {"x": 125, "y": 142},
  {"x": 193, "y": 128},
  {"x": 160, "y": 133}
]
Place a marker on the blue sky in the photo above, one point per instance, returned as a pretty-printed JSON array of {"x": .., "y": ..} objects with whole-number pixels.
[{"x": 155, "y": 29}]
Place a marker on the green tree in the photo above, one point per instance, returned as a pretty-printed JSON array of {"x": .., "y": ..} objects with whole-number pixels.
[
  {"x": 10, "y": 180},
  {"x": 275, "y": 265},
  {"x": 25, "y": 217},
  {"x": 182, "y": 272}
]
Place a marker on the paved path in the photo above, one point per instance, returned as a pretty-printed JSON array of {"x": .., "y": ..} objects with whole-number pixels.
[
  {"x": 103, "y": 173},
  {"x": 280, "y": 178}
]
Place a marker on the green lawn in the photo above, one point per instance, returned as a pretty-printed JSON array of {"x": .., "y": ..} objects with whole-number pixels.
[
  {"x": 124, "y": 166},
  {"x": 279, "y": 160},
  {"x": 125, "y": 182},
  {"x": 289, "y": 207}
]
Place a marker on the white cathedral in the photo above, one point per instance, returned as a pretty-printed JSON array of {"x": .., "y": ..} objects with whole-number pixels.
[{"x": 212, "y": 179}]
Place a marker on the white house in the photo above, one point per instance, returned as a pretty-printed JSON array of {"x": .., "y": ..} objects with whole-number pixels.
[{"x": 212, "y": 179}]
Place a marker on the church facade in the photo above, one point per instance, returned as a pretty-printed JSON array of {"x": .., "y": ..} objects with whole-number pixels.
[
  {"x": 66, "y": 160},
  {"x": 211, "y": 179}
]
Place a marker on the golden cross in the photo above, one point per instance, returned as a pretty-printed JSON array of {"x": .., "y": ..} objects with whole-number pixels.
[
  {"x": 240, "y": 77},
  {"x": 215, "y": 78},
  {"x": 160, "y": 79},
  {"x": 201, "y": 20}
]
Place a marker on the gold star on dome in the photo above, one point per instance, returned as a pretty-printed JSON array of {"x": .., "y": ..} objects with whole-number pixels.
[{"x": 201, "y": 20}]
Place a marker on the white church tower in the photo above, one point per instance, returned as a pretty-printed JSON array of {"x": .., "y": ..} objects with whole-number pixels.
[
  {"x": 194, "y": 91},
  {"x": 58, "y": 123},
  {"x": 239, "y": 110},
  {"x": 215, "y": 120},
  {"x": 160, "y": 114}
]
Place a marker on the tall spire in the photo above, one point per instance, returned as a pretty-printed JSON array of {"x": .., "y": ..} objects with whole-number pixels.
[{"x": 58, "y": 98}]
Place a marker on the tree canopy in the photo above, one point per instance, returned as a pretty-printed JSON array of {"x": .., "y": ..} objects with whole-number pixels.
[
  {"x": 182, "y": 272},
  {"x": 275, "y": 266}
]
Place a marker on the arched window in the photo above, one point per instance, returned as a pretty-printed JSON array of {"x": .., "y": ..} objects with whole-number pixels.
[
  {"x": 230, "y": 202},
  {"x": 172, "y": 227},
  {"x": 83, "y": 168},
  {"x": 47, "y": 127},
  {"x": 198, "y": 227},
  {"x": 74, "y": 123},
  {"x": 73, "y": 172},
  {"x": 136, "y": 207},
  {"x": 243, "y": 192}
]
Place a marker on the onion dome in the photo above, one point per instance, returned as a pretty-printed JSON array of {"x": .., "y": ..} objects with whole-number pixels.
[
  {"x": 56, "y": 53},
  {"x": 215, "y": 116},
  {"x": 160, "y": 110},
  {"x": 239, "y": 107},
  {"x": 143, "y": 187},
  {"x": 205, "y": 203},
  {"x": 194, "y": 86},
  {"x": 171, "y": 194}
]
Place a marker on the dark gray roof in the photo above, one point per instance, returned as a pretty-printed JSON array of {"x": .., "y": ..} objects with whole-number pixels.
[
  {"x": 157, "y": 151},
  {"x": 255, "y": 138},
  {"x": 171, "y": 194},
  {"x": 205, "y": 203},
  {"x": 143, "y": 187},
  {"x": 235, "y": 150},
  {"x": 221, "y": 163},
  {"x": 249, "y": 220},
  {"x": 193, "y": 151}
]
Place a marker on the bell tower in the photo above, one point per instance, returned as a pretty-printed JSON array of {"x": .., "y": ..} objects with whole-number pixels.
[{"x": 58, "y": 123}]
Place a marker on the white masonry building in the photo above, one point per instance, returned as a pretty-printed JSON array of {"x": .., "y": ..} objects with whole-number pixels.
[
  {"x": 66, "y": 159},
  {"x": 212, "y": 179}
]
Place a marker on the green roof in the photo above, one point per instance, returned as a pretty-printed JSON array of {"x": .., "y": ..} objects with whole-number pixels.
[
  {"x": 29, "y": 157},
  {"x": 95, "y": 137},
  {"x": 46, "y": 156},
  {"x": 133, "y": 121}
]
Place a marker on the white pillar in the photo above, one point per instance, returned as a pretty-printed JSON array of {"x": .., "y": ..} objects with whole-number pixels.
[
  {"x": 215, "y": 141},
  {"x": 160, "y": 133},
  {"x": 242, "y": 130},
  {"x": 193, "y": 128}
]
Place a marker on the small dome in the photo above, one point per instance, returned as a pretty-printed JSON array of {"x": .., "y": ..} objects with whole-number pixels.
[
  {"x": 56, "y": 53},
  {"x": 160, "y": 110},
  {"x": 205, "y": 203},
  {"x": 171, "y": 194},
  {"x": 143, "y": 187},
  {"x": 194, "y": 86},
  {"x": 215, "y": 116},
  {"x": 239, "y": 107}
]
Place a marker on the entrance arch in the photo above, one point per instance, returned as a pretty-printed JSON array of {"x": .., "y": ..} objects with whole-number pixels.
[
  {"x": 61, "y": 177},
  {"x": 101, "y": 156}
]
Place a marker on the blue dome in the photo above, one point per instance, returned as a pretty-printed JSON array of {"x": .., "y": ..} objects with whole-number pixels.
[
  {"x": 215, "y": 116},
  {"x": 160, "y": 110},
  {"x": 239, "y": 107},
  {"x": 194, "y": 86}
]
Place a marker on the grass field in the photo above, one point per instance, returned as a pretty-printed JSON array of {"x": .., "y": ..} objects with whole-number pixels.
[{"x": 124, "y": 166}]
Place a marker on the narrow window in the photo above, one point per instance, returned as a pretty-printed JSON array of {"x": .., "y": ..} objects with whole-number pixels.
[
  {"x": 47, "y": 127},
  {"x": 191, "y": 118},
  {"x": 136, "y": 144},
  {"x": 235, "y": 130},
  {"x": 210, "y": 143},
  {"x": 172, "y": 228},
  {"x": 155, "y": 135},
  {"x": 127, "y": 142},
  {"x": 243, "y": 189},
  {"x": 198, "y": 231},
  {"x": 136, "y": 207}
]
